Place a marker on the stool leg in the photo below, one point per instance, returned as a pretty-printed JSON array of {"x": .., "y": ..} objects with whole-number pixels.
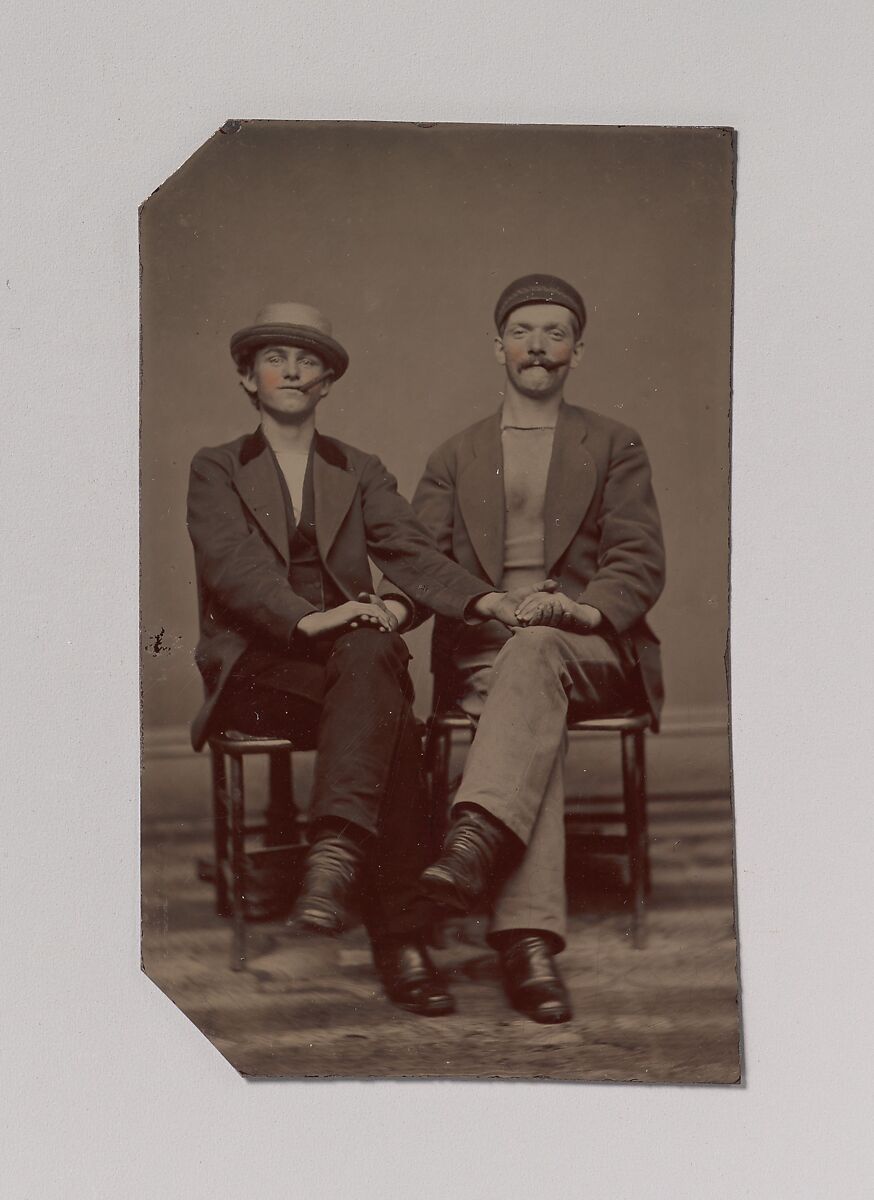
[
  {"x": 439, "y": 749},
  {"x": 440, "y": 777},
  {"x": 220, "y": 832},
  {"x": 632, "y": 792},
  {"x": 428, "y": 757},
  {"x": 238, "y": 867},
  {"x": 281, "y": 816},
  {"x": 640, "y": 761}
]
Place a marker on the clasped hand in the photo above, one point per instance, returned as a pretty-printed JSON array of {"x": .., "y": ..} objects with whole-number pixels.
[
  {"x": 542, "y": 604},
  {"x": 368, "y": 611}
]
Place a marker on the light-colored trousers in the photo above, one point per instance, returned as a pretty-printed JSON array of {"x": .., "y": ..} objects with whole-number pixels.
[{"x": 515, "y": 766}]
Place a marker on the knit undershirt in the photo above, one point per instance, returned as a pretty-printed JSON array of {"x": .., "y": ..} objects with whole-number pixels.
[{"x": 527, "y": 452}]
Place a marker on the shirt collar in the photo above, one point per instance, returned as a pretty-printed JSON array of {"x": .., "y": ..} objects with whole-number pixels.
[{"x": 505, "y": 424}]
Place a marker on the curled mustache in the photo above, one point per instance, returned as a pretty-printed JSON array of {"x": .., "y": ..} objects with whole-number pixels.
[{"x": 546, "y": 363}]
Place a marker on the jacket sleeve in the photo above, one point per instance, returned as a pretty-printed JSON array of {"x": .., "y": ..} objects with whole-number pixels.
[
  {"x": 236, "y": 569},
  {"x": 631, "y": 559},
  {"x": 434, "y": 499},
  {"x": 433, "y": 507},
  {"x": 406, "y": 554}
]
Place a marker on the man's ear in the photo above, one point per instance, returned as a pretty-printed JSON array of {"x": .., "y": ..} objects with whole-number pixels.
[
  {"x": 247, "y": 382},
  {"x": 577, "y": 353},
  {"x": 500, "y": 353},
  {"x": 325, "y": 386}
]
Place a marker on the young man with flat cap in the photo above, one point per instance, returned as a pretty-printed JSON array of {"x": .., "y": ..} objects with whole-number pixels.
[
  {"x": 294, "y": 644},
  {"x": 540, "y": 489}
]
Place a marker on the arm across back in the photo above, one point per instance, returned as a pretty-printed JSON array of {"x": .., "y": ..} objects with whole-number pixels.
[
  {"x": 630, "y": 573},
  {"x": 236, "y": 568}
]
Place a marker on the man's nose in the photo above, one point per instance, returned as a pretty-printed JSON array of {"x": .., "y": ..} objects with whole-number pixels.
[
  {"x": 292, "y": 370},
  {"x": 536, "y": 342}
]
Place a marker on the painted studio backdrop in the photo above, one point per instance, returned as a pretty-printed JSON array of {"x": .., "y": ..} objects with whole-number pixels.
[{"x": 405, "y": 235}]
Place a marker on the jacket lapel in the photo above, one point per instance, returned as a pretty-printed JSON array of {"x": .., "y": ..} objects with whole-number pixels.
[
  {"x": 570, "y": 484},
  {"x": 258, "y": 484},
  {"x": 481, "y": 498},
  {"x": 334, "y": 487}
]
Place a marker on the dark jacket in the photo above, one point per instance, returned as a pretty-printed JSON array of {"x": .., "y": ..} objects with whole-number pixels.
[
  {"x": 237, "y": 523},
  {"x": 603, "y": 539}
]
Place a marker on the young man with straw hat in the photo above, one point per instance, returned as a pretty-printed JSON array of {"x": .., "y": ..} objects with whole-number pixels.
[{"x": 295, "y": 644}]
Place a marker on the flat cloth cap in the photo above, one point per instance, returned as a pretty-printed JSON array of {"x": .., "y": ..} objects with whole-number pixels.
[
  {"x": 539, "y": 289},
  {"x": 288, "y": 324}
]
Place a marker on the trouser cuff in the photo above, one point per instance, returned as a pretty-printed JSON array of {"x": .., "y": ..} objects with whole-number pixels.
[
  {"x": 498, "y": 812},
  {"x": 499, "y": 938}
]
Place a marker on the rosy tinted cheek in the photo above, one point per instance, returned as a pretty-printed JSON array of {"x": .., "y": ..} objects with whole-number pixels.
[{"x": 271, "y": 376}]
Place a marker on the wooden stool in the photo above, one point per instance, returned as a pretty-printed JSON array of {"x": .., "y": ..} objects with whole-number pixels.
[
  {"x": 229, "y": 821},
  {"x": 634, "y": 842}
]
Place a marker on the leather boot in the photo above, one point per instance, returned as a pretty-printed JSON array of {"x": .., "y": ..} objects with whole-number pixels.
[
  {"x": 332, "y": 870},
  {"x": 410, "y": 978},
  {"x": 477, "y": 851},
  {"x": 532, "y": 982}
]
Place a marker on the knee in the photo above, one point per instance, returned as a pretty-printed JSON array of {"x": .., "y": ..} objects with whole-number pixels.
[
  {"x": 368, "y": 649},
  {"x": 537, "y": 646}
]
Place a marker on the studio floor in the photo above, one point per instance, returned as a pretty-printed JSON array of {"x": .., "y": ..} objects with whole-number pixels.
[{"x": 666, "y": 1013}]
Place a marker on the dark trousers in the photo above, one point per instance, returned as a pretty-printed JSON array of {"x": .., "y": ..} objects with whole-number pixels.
[{"x": 356, "y": 712}]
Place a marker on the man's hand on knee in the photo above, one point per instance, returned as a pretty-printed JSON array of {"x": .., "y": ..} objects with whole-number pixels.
[
  {"x": 556, "y": 610},
  {"x": 354, "y": 614},
  {"x": 497, "y": 606},
  {"x": 504, "y": 606},
  {"x": 394, "y": 611},
  {"x": 517, "y": 595}
]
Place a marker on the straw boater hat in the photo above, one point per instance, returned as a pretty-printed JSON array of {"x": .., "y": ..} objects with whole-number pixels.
[{"x": 288, "y": 324}]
